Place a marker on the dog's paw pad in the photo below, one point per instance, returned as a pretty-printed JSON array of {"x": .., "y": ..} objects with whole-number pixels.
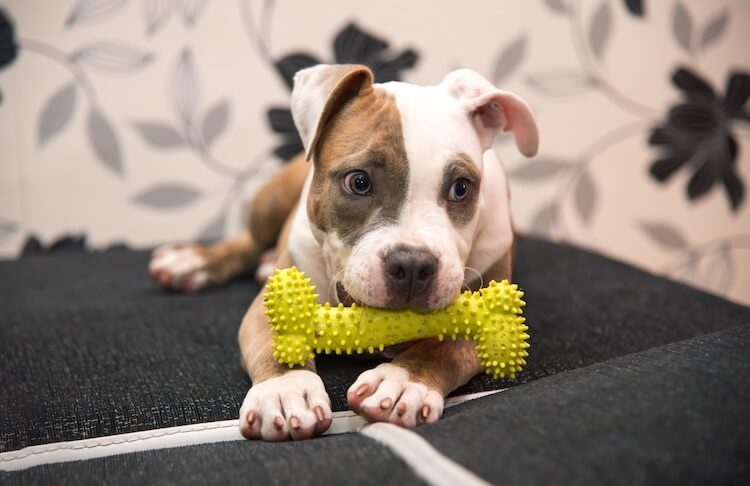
[
  {"x": 294, "y": 406},
  {"x": 387, "y": 394},
  {"x": 180, "y": 268}
]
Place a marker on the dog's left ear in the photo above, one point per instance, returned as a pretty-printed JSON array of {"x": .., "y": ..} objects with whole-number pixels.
[
  {"x": 320, "y": 92},
  {"x": 493, "y": 110}
]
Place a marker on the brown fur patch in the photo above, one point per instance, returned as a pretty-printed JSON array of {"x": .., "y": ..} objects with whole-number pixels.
[
  {"x": 461, "y": 212},
  {"x": 365, "y": 134}
]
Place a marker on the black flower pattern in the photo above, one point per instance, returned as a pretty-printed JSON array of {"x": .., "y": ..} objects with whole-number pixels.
[
  {"x": 698, "y": 134},
  {"x": 352, "y": 45},
  {"x": 8, "y": 47}
]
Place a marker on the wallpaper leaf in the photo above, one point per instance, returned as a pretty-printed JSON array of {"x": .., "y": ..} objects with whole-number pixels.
[
  {"x": 112, "y": 56},
  {"x": 185, "y": 86},
  {"x": 714, "y": 28},
  {"x": 215, "y": 121},
  {"x": 7, "y": 228},
  {"x": 167, "y": 196},
  {"x": 192, "y": 9},
  {"x": 509, "y": 59},
  {"x": 157, "y": 12},
  {"x": 104, "y": 142},
  {"x": 560, "y": 81},
  {"x": 545, "y": 219},
  {"x": 665, "y": 235},
  {"x": 287, "y": 66},
  {"x": 601, "y": 26},
  {"x": 585, "y": 197},
  {"x": 91, "y": 10},
  {"x": 214, "y": 230},
  {"x": 557, "y": 6},
  {"x": 720, "y": 272},
  {"x": 682, "y": 27},
  {"x": 57, "y": 112},
  {"x": 539, "y": 169},
  {"x": 160, "y": 135},
  {"x": 635, "y": 7}
]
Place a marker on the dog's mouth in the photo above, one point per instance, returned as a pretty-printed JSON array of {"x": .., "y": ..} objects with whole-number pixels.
[{"x": 344, "y": 296}]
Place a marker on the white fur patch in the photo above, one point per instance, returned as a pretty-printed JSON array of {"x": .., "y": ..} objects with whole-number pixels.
[
  {"x": 179, "y": 268},
  {"x": 274, "y": 402},
  {"x": 391, "y": 396}
]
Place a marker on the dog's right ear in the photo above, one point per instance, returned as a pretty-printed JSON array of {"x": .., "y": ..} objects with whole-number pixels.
[{"x": 319, "y": 92}]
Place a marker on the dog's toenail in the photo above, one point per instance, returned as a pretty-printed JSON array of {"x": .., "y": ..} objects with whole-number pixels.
[
  {"x": 425, "y": 411},
  {"x": 362, "y": 389},
  {"x": 400, "y": 409},
  {"x": 386, "y": 404},
  {"x": 278, "y": 422},
  {"x": 294, "y": 423},
  {"x": 319, "y": 413},
  {"x": 251, "y": 418}
]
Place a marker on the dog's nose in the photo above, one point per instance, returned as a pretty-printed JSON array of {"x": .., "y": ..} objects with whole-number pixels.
[{"x": 410, "y": 272}]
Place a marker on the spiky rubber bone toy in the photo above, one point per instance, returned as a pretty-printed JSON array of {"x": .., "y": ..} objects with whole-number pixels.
[{"x": 491, "y": 317}]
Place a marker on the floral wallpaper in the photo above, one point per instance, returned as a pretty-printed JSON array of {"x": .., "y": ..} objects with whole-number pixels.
[{"x": 145, "y": 121}]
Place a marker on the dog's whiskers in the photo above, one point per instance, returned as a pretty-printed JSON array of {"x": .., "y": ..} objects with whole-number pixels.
[{"x": 476, "y": 272}]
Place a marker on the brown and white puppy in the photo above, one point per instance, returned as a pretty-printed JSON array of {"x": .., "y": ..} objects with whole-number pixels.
[{"x": 405, "y": 204}]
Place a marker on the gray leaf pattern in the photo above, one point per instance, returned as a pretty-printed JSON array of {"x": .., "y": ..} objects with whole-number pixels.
[
  {"x": 167, "y": 196},
  {"x": 215, "y": 121},
  {"x": 509, "y": 59},
  {"x": 545, "y": 219},
  {"x": 214, "y": 230},
  {"x": 157, "y": 12},
  {"x": 600, "y": 28},
  {"x": 560, "y": 82},
  {"x": 160, "y": 135},
  {"x": 56, "y": 113},
  {"x": 192, "y": 9},
  {"x": 720, "y": 272},
  {"x": 185, "y": 86},
  {"x": 557, "y": 6},
  {"x": 104, "y": 142},
  {"x": 7, "y": 228},
  {"x": 539, "y": 169},
  {"x": 714, "y": 28},
  {"x": 113, "y": 56},
  {"x": 665, "y": 235},
  {"x": 90, "y": 10},
  {"x": 682, "y": 27},
  {"x": 585, "y": 197}
]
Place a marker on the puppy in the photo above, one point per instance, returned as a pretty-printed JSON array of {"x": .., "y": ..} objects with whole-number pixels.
[{"x": 404, "y": 204}]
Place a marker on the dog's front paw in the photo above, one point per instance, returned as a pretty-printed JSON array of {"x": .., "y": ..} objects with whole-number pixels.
[
  {"x": 387, "y": 394},
  {"x": 294, "y": 405},
  {"x": 183, "y": 268}
]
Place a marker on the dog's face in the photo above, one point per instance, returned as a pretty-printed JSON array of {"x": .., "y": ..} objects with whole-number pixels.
[{"x": 396, "y": 192}]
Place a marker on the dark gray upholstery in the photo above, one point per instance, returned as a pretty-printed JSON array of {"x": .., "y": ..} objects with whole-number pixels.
[{"x": 90, "y": 347}]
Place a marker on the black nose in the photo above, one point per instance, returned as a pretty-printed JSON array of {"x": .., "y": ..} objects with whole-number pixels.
[{"x": 410, "y": 272}]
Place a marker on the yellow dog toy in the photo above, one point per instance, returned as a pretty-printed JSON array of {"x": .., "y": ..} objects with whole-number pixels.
[{"x": 491, "y": 317}]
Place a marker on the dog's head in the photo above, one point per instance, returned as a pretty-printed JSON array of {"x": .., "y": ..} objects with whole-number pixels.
[{"x": 396, "y": 191}]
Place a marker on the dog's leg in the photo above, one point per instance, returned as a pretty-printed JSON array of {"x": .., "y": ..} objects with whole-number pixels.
[
  {"x": 192, "y": 267},
  {"x": 281, "y": 403},
  {"x": 410, "y": 390}
]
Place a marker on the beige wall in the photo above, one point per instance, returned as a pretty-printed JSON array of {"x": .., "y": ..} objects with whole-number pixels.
[{"x": 92, "y": 132}]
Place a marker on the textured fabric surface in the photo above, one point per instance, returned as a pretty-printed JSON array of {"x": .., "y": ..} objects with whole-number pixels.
[
  {"x": 677, "y": 414},
  {"x": 90, "y": 347},
  {"x": 340, "y": 459}
]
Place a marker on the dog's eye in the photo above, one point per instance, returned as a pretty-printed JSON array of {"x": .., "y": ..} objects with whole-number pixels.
[
  {"x": 459, "y": 190},
  {"x": 358, "y": 182}
]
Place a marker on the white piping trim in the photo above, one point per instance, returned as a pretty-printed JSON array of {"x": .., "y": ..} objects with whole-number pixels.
[
  {"x": 184, "y": 435},
  {"x": 424, "y": 459}
]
